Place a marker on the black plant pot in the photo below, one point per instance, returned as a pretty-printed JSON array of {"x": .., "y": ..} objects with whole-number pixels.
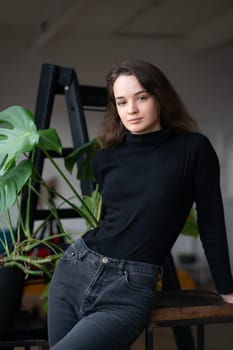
[{"x": 11, "y": 290}]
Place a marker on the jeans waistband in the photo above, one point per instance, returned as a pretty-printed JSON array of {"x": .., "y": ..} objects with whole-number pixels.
[{"x": 118, "y": 264}]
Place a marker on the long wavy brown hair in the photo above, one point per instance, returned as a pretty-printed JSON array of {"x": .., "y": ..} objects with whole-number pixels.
[{"x": 173, "y": 114}]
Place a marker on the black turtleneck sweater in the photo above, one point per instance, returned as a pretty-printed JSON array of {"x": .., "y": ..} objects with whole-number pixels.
[{"x": 149, "y": 184}]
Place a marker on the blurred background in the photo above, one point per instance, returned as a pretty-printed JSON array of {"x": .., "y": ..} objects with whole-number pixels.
[{"x": 191, "y": 41}]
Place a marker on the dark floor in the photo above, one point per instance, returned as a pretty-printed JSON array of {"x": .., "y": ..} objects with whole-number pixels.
[{"x": 217, "y": 337}]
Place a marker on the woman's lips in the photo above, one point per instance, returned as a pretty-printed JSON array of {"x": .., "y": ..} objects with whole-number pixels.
[{"x": 134, "y": 120}]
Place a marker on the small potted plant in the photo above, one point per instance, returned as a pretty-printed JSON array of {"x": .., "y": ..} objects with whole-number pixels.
[{"x": 19, "y": 139}]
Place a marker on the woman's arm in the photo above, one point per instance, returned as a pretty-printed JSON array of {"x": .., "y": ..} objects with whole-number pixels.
[
  {"x": 228, "y": 298},
  {"x": 211, "y": 221}
]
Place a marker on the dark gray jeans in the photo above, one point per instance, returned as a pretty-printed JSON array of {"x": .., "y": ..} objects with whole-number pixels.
[{"x": 98, "y": 303}]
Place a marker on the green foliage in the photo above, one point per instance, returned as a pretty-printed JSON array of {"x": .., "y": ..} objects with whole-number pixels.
[
  {"x": 191, "y": 228},
  {"x": 18, "y": 136},
  {"x": 94, "y": 205},
  {"x": 49, "y": 140},
  {"x": 12, "y": 182},
  {"x": 84, "y": 155},
  {"x": 19, "y": 139}
]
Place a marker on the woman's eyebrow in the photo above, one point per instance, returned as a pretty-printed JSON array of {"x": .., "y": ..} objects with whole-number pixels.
[{"x": 137, "y": 93}]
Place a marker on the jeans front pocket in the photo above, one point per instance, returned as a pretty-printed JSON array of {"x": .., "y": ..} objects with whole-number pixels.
[{"x": 140, "y": 282}]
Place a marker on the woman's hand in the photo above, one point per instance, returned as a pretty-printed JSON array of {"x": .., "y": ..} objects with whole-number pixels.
[{"x": 228, "y": 298}]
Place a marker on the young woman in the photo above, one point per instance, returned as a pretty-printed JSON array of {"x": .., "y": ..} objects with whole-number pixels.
[{"x": 152, "y": 167}]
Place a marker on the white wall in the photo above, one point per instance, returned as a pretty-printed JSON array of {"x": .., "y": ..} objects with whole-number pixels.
[{"x": 204, "y": 80}]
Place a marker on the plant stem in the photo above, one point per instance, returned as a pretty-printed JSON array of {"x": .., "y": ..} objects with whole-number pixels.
[
  {"x": 91, "y": 221},
  {"x": 69, "y": 184}
]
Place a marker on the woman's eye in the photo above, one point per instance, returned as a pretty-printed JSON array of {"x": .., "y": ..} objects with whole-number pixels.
[
  {"x": 121, "y": 103},
  {"x": 142, "y": 98}
]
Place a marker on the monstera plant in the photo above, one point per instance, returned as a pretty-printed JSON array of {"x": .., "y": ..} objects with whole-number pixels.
[{"x": 19, "y": 139}]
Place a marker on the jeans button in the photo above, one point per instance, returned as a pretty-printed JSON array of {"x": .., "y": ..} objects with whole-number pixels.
[{"x": 105, "y": 260}]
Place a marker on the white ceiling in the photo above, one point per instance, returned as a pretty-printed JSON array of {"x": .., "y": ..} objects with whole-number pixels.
[{"x": 202, "y": 24}]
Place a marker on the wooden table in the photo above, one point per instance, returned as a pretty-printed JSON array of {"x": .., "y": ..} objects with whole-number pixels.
[{"x": 186, "y": 308}]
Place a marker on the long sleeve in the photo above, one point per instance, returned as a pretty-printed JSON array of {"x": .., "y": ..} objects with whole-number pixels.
[
  {"x": 210, "y": 212},
  {"x": 148, "y": 185},
  {"x": 95, "y": 170}
]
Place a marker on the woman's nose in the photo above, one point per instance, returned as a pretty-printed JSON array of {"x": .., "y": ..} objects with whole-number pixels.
[{"x": 132, "y": 107}]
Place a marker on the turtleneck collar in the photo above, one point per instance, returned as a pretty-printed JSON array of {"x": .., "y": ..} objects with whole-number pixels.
[{"x": 148, "y": 139}]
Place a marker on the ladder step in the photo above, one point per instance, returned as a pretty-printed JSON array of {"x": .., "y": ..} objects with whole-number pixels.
[{"x": 42, "y": 214}]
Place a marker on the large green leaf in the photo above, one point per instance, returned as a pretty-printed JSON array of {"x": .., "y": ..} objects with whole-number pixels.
[
  {"x": 83, "y": 155},
  {"x": 12, "y": 182},
  {"x": 49, "y": 140},
  {"x": 19, "y": 135},
  {"x": 94, "y": 204}
]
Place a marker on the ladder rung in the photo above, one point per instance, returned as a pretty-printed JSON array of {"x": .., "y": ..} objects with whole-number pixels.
[
  {"x": 91, "y": 96},
  {"x": 62, "y": 213},
  {"x": 65, "y": 152}
]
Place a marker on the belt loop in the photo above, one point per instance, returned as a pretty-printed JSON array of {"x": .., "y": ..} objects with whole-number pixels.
[
  {"x": 81, "y": 249},
  {"x": 82, "y": 253}
]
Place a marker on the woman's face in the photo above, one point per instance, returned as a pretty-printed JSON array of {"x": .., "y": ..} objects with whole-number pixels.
[{"x": 137, "y": 108}]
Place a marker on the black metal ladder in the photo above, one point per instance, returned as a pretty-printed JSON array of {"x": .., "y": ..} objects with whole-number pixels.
[{"x": 57, "y": 80}]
